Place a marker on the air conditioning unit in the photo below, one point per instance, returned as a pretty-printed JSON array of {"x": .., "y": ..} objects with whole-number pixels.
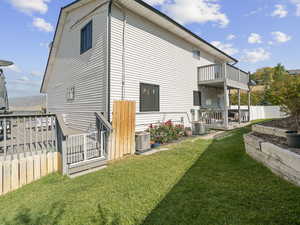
[
  {"x": 142, "y": 142},
  {"x": 198, "y": 128}
]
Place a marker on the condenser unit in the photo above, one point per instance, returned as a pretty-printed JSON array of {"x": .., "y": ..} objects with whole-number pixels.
[
  {"x": 198, "y": 128},
  {"x": 142, "y": 142}
]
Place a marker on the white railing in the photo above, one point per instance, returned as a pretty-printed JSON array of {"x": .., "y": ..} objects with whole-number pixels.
[
  {"x": 211, "y": 72},
  {"x": 84, "y": 147},
  {"x": 27, "y": 133},
  {"x": 212, "y": 117},
  {"x": 218, "y": 72}
]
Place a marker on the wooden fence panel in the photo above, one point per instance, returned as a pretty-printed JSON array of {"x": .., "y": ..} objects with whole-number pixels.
[
  {"x": 123, "y": 135},
  {"x": 14, "y": 174},
  {"x": 1, "y": 178},
  {"x": 37, "y": 166},
  {"x": 23, "y": 169},
  {"x": 29, "y": 169},
  {"x": 6, "y": 176}
]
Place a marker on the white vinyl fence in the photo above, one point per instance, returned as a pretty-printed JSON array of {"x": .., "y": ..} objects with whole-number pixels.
[{"x": 263, "y": 112}]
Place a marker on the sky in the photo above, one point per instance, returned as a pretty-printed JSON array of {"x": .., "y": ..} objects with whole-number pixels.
[{"x": 258, "y": 33}]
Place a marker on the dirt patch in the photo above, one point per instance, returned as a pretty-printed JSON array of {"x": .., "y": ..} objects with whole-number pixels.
[
  {"x": 279, "y": 141},
  {"x": 286, "y": 123}
]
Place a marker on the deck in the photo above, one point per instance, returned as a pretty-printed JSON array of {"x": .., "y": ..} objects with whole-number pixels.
[{"x": 218, "y": 74}]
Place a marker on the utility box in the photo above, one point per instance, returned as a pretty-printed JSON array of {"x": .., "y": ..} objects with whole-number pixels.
[
  {"x": 198, "y": 128},
  {"x": 142, "y": 142}
]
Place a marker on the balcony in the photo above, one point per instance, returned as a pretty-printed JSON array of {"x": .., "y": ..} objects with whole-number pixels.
[{"x": 218, "y": 74}]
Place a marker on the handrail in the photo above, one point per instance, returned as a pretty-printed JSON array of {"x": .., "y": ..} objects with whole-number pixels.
[
  {"x": 24, "y": 115},
  {"x": 62, "y": 125},
  {"x": 104, "y": 121},
  {"x": 236, "y": 68}
]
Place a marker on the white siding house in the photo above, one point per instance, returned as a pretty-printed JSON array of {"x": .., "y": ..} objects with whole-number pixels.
[{"x": 132, "y": 45}]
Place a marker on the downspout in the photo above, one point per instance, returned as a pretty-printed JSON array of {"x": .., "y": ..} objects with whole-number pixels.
[
  {"x": 123, "y": 54},
  {"x": 109, "y": 59},
  {"x": 123, "y": 50}
]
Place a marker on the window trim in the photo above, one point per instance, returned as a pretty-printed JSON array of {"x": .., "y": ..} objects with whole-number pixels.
[
  {"x": 70, "y": 90},
  {"x": 149, "y": 111},
  {"x": 82, "y": 51},
  {"x": 200, "y": 98}
]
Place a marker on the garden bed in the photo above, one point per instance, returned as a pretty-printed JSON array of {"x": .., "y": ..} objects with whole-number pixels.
[
  {"x": 268, "y": 144},
  {"x": 285, "y": 123}
]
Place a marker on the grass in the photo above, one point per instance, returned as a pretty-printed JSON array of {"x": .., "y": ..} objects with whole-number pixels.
[{"x": 201, "y": 182}]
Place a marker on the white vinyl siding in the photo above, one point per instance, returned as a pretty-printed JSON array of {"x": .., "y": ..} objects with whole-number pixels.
[
  {"x": 155, "y": 56},
  {"x": 85, "y": 72}
]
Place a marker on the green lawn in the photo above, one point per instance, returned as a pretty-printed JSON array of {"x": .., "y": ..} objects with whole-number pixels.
[{"x": 201, "y": 182}]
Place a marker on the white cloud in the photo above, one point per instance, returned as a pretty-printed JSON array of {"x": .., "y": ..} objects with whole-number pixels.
[
  {"x": 31, "y": 6},
  {"x": 280, "y": 11},
  {"x": 14, "y": 68},
  {"x": 42, "y": 25},
  {"x": 256, "y": 55},
  {"x": 24, "y": 78},
  {"x": 35, "y": 73},
  {"x": 281, "y": 37},
  {"x": 227, "y": 48},
  {"x": 254, "y": 38},
  {"x": 297, "y": 4},
  {"x": 195, "y": 11},
  {"x": 230, "y": 37},
  {"x": 256, "y": 11},
  {"x": 155, "y": 2}
]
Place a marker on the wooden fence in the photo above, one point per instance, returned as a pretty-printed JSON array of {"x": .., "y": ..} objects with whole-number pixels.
[
  {"x": 123, "y": 135},
  {"x": 20, "y": 169}
]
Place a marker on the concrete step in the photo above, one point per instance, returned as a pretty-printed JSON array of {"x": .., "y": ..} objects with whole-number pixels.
[{"x": 86, "y": 167}]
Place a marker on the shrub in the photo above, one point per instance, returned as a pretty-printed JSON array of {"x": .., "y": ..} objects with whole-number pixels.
[
  {"x": 287, "y": 94},
  {"x": 166, "y": 132}
]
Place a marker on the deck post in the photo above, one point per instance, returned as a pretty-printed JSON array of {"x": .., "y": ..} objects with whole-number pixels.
[
  {"x": 239, "y": 104},
  {"x": 249, "y": 99},
  {"x": 225, "y": 98}
]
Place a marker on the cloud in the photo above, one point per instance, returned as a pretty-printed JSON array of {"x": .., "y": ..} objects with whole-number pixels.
[
  {"x": 23, "y": 79},
  {"x": 227, "y": 48},
  {"x": 42, "y": 25},
  {"x": 155, "y": 2},
  {"x": 230, "y": 37},
  {"x": 194, "y": 11},
  {"x": 35, "y": 73},
  {"x": 256, "y": 11},
  {"x": 280, "y": 11},
  {"x": 14, "y": 68},
  {"x": 255, "y": 55},
  {"x": 31, "y": 6},
  {"x": 254, "y": 38},
  {"x": 281, "y": 37},
  {"x": 297, "y": 4}
]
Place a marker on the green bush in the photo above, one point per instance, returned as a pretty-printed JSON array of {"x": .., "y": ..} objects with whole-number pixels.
[{"x": 166, "y": 132}]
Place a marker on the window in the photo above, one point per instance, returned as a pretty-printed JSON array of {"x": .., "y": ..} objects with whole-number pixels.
[
  {"x": 86, "y": 37},
  {"x": 149, "y": 98},
  {"x": 196, "y": 54},
  {"x": 71, "y": 93},
  {"x": 197, "y": 98}
]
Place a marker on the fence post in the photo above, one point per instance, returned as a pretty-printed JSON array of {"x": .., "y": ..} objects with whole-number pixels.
[{"x": 61, "y": 144}]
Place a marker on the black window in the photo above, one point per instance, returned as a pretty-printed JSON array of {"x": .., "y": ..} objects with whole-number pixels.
[
  {"x": 149, "y": 98},
  {"x": 86, "y": 38},
  {"x": 197, "y": 98}
]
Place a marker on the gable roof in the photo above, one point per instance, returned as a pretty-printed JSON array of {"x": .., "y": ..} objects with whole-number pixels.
[
  {"x": 145, "y": 10},
  {"x": 294, "y": 72}
]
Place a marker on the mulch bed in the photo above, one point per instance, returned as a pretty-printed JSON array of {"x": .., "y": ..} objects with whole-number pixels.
[
  {"x": 285, "y": 123},
  {"x": 279, "y": 141}
]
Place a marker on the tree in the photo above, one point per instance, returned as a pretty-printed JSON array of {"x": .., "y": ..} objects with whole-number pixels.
[
  {"x": 263, "y": 76},
  {"x": 279, "y": 72},
  {"x": 286, "y": 93}
]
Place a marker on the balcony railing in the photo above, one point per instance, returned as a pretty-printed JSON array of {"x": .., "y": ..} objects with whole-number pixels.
[{"x": 221, "y": 72}]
